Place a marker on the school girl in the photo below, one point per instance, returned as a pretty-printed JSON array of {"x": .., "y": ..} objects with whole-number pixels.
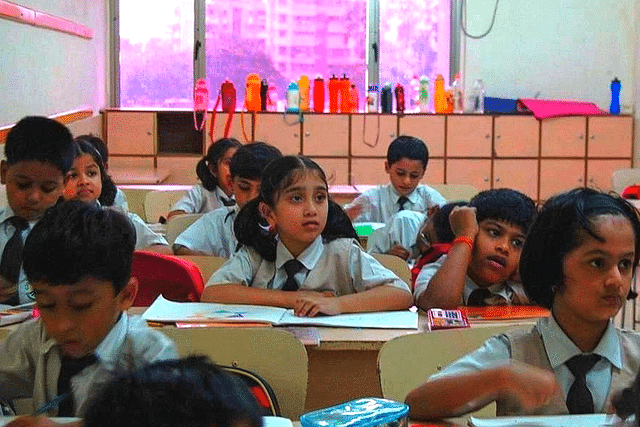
[
  {"x": 88, "y": 182},
  {"x": 214, "y": 189},
  {"x": 300, "y": 251},
  {"x": 578, "y": 260}
]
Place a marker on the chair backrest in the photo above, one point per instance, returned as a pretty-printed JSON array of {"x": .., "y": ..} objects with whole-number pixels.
[
  {"x": 397, "y": 265},
  {"x": 274, "y": 354},
  {"x": 175, "y": 278},
  {"x": 406, "y": 362},
  {"x": 260, "y": 388},
  {"x": 455, "y": 192},
  {"x": 177, "y": 224},
  {"x": 135, "y": 200},
  {"x": 207, "y": 264},
  {"x": 158, "y": 203},
  {"x": 622, "y": 178}
]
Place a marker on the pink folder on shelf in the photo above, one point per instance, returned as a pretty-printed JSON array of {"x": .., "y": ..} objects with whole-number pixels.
[{"x": 547, "y": 108}]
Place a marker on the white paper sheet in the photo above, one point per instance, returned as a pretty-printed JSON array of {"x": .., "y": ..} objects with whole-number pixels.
[{"x": 591, "y": 420}]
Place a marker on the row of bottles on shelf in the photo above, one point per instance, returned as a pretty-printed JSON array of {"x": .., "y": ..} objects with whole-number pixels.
[{"x": 344, "y": 97}]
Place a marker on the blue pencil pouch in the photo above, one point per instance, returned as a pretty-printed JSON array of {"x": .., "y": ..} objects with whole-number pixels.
[{"x": 365, "y": 412}]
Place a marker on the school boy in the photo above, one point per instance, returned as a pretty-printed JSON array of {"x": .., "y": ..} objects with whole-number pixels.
[
  {"x": 490, "y": 233},
  {"x": 78, "y": 260},
  {"x": 39, "y": 152},
  {"x": 213, "y": 233},
  {"x": 406, "y": 163}
]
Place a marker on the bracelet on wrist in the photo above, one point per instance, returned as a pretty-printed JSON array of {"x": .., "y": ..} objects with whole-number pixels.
[{"x": 464, "y": 239}]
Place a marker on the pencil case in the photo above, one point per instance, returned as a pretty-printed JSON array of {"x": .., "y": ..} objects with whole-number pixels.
[{"x": 365, "y": 412}]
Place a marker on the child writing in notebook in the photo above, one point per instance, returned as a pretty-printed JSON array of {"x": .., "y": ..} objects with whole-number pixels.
[
  {"x": 213, "y": 233},
  {"x": 407, "y": 159},
  {"x": 189, "y": 392},
  {"x": 214, "y": 189},
  {"x": 299, "y": 251},
  {"x": 483, "y": 260},
  {"x": 39, "y": 151},
  {"x": 88, "y": 181},
  {"x": 78, "y": 260},
  {"x": 578, "y": 260}
]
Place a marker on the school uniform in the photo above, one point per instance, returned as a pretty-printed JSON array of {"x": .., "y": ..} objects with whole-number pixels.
[
  {"x": 30, "y": 360},
  {"x": 144, "y": 235},
  {"x": 200, "y": 200},
  {"x": 380, "y": 203},
  {"x": 120, "y": 201},
  {"x": 508, "y": 292},
  {"x": 402, "y": 228},
  {"x": 211, "y": 234},
  {"x": 546, "y": 346},
  {"x": 339, "y": 266},
  {"x": 25, "y": 294}
]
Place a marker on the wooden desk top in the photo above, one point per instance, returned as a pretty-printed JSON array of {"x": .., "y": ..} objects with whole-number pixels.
[{"x": 139, "y": 175}]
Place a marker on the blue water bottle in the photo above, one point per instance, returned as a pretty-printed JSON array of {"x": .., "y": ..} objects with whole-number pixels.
[{"x": 615, "y": 96}]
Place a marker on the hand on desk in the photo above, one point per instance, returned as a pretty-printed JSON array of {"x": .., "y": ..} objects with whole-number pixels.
[
  {"x": 310, "y": 304},
  {"x": 529, "y": 386}
]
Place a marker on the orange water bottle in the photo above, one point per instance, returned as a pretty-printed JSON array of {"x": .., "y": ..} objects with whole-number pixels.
[
  {"x": 355, "y": 98},
  {"x": 439, "y": 96},
  {"x": 252, "y": 92},
  {"x": 318, "y": 95},
  {"x": 334, "y": 94},
  {"x": 303, "y": 87},
  {"x": 345, "y": 95}
]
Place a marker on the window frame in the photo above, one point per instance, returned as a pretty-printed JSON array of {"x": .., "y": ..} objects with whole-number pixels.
[{"x": 199, "y": 64}]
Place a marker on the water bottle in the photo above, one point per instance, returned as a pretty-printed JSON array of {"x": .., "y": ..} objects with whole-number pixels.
[
  {"x": 334, "y": 94},
  {"x": 423, "y": 94},
  {"x": 303, "y": 86},
  {"x": 478, "y": 97},
  {"x": 293, "y": 98},
  {"x": 318, "y": 95},
  {"x": 386, "y": 99},
  {"x": 372, "y": 99},
  {"x": 345, "y": 95},
  {"x": 439, "y": 96},
  {"x": 614, "y": 108},
  {"x": 399, "y": 90},
  {"x": 458, "y": 95},
  {"x": 354, "y": 98}
]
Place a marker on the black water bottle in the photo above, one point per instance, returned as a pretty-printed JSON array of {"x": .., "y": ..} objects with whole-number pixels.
[{"x": 386, "y": 99}]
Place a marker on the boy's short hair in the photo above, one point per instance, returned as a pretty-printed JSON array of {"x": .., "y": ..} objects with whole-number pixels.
[
  {"x": 505, "y": 204},
  {"x": 74, "y": 239},
  {"x": 560, "y": 227},
  {"x": 41, "y": 139},
  {"x": 189, "y": 392},
  {"x": 249, "y": 160},
  {"x": 408, "y": 147},
  {"x": 441, "y": 223}
]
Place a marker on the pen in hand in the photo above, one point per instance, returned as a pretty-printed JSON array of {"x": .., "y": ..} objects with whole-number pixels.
[{"x": 53, "y": 403}]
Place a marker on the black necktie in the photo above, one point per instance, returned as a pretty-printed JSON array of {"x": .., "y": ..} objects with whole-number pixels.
[
  {"x": 292, "y": 267},
  {"x": 12, "y": 259},
  {"x": 477, "y": 297},
  {"x": 402, "y": 200},
  {"x": 228, "y": 202},
  {"x": 579, "y": 398},
  {"x": 69, "y": 368}
]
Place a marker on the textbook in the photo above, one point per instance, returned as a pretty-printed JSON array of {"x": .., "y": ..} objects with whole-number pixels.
[
  {"x": 165, "y": 311},
  {"x": 14, "y": 314}
]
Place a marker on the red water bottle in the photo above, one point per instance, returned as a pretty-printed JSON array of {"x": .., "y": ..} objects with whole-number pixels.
[
  {"x": 399, "y": 90},
  {"x": 345, "y": 96},
  {"x": 318, "y": 95},
  {"x": 334, "y": 94}
]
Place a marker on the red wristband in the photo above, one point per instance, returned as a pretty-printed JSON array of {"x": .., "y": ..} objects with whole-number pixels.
[{"x": 464, "y": 239}]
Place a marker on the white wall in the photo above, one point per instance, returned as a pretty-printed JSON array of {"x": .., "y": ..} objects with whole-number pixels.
[
  {"x": 563, "y": 49},
  {"x": 46, "y": 72}
]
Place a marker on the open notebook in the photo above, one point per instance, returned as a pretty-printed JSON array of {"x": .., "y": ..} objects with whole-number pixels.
[
  {"x": 591, "y": 420},
  {"x": 163, "y": 310}
]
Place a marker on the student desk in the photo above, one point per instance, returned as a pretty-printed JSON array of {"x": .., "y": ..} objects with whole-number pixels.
[{"x": 132, "y": 175}]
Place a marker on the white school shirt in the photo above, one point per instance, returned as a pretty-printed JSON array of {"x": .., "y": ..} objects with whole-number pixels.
[
  {"x": 25, "y": 293},
  {"x": 199, "y": 200},
  {"x": 496, "y": 351},
  {"x": 247, "y": 267},
  {"x": 145, "y": 236},
  {"x": 30, "y": 360},
  {"x": 380, "y": 203},
  {"x": 212, "y": 233},
  {"x": 510, "y": 290},
  {"x": 401, "y": 228},
  {"x": 121, "y": 201}
]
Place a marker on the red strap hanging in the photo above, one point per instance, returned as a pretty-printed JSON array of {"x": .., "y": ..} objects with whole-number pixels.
[{"x": 226, "y": 95}]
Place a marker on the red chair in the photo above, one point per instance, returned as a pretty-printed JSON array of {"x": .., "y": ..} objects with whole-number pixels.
[{"x": 175, "y": 278}]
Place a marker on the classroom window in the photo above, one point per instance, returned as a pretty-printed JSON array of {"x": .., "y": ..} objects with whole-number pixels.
[{"x": 279, "y": 40}]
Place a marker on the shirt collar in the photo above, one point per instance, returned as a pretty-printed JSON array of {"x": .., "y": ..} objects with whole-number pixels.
[
  {"x": 560, "y": 348},
  {"x": 394, "y": 195},
  {"x": 309, "y": 257},
  {"x": 6, "y": 213},
  {"x": 222, "y": 195}
]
